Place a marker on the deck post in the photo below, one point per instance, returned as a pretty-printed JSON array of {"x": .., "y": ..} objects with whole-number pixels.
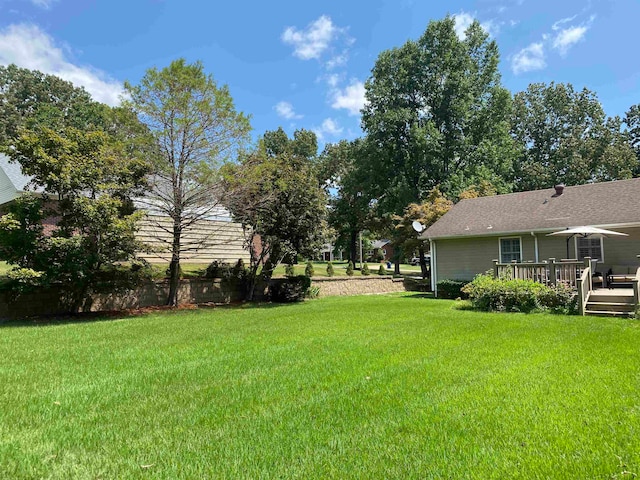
[
  {"x": 495, "y": 268},
  {"x": 587, "y": 265},
  {"x": 580, "y": 298},
  {"x": 552, "y": 271}
]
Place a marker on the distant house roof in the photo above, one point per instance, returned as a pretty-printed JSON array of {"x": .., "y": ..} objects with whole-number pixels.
[
  {"x": 598, "y": 204},
  {"x": 379, "y": 243}
]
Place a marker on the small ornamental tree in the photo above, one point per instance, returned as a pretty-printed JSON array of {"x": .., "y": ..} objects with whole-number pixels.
[
  {"x": 309, "y": 271},
  {"x": 382, "y": 270},
  {"x": 330, "y": 271},
  {"x": 289, "y": 271},
  {"x": 365, "y": 270},
  {"x": 350, "y": 268}
]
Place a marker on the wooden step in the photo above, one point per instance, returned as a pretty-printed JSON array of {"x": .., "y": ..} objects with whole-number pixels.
[
  {"x": 607, "y": 313},
  {"x": 610, "y": 306}
]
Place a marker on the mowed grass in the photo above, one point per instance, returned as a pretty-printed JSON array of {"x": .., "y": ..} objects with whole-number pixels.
[{"x": 393, "y": 386}]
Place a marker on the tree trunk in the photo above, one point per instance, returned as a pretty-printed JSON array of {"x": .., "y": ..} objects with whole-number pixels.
[
  {"x": 423, "y": 262},
  {"x": 353, "y": 246},
  {"x": 397, "y": 255},
  {"x": 174, "y": 266}
]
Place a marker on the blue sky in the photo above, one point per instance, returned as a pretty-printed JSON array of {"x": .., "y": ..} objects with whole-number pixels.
[{"x": 303, "y": 64}]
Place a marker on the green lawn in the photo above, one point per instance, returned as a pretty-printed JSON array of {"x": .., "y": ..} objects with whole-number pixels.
[{"x": 393, "y": 386}]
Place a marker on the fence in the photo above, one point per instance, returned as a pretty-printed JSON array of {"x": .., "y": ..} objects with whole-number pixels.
[{"x": 549, "y": 272}]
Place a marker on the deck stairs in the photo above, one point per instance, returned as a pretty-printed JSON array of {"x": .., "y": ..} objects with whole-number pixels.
[{"x": 615, "y": 302}]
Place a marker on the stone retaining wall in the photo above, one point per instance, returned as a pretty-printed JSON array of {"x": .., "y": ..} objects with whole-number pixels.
[
  {"x": 357, "y": 285},
  {"x": 46, "y": 302}
]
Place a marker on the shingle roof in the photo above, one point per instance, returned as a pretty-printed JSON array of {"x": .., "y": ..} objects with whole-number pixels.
[
  {"x": 598, "y": 204},
  {"x": 14, "y": 172}
]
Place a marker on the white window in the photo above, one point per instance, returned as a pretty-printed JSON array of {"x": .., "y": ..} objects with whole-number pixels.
[
  {"x": 510, "y": 250},
  {"x": 589, "y": 247}
]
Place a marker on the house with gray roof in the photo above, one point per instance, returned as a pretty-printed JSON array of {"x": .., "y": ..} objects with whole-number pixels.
[{"x": 516, "y": 227}]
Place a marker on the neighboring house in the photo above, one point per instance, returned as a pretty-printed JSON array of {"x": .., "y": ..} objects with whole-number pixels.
[
  {"x": 328, "y": 253},
  {"x": 213, "y": 238},
  {"x": 385, "y": 247},
  {"x": 515, "y": 227}
]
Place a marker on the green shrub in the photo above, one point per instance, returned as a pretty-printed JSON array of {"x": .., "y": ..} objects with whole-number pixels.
[
  {"x": 313, "y": 292},
  {"x": 382, "y": 270},
  {"x": 365, "y": 270},
  {"x": 451, "y": 289},
  {"x": 288, "y": 290},
  {"x": 308, "y": 270},
  {"x": 289, "y": 271},
  {"x": 350, "y": 268},
  {"x": 330, "y": 271},
  {"x": 514, "y": 295}
]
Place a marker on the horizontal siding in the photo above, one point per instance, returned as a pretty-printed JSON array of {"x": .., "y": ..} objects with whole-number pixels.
[
  {"x": 463, "y": 259},
  {"x": 204, "y": 242}
]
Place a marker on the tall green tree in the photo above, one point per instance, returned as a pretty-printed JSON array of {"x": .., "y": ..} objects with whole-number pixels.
[
  {"x": 29, "y": 98},
  {"x": 197, "y": 128},
  {"x": 438, "y": 116},
  {"x": 632, "y": 121},
  {"x": 342, "y": 172},
  {"x": 565, "y": 137},
  {"x": 275, "y": 194}
]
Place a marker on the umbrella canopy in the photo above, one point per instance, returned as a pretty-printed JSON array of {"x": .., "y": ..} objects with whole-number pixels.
[{"x": 586, "y": 231}]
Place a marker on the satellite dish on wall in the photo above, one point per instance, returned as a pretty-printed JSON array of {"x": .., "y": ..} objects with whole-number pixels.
[{"x": 418, "y": 227}]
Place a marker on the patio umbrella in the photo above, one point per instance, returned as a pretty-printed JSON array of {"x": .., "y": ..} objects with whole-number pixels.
[{"x": 585, "y": 231}]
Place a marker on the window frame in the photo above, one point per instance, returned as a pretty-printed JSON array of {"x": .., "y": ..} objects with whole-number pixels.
[
  {"x": 590, "y": 237},
  {"x": 500, "y": 247}
]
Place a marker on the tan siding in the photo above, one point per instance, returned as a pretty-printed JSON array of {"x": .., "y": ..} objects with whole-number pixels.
[
  {"x": 463, "y": 259},
  {"x": 206, "y": 241}
]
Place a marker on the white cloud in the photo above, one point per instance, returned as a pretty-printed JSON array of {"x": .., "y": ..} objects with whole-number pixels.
[
  {"x": 333, "y": 79},
  {"x": 314, "y": 40},
  {"x": 568, "y": 37},
  {"x": 285, "y": 110},
  {"x": 463, "y": 21},
  {"x": 556, "y": 26},
  {"x": 29, "y": 47},
  {"x": 528, "y": 59},
  {"x": 46, "y": 4},
  {"x": 329, "y": 127},
  {"x": 352, "y": 98}
]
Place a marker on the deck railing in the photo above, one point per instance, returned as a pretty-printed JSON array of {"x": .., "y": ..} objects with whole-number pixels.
[
  {"x": 584, "y": 288},
  {"x": 549, "y": 272}
]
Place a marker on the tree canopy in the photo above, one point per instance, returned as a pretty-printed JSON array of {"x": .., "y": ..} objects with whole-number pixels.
[
  {"x": 438, "y": 116},
  {"x": 274, "y": 192},
  {"x": 565, "y": 137}
]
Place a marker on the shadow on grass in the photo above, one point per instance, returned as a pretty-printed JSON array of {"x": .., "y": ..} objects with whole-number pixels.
[{"x": 109, "y": 316}]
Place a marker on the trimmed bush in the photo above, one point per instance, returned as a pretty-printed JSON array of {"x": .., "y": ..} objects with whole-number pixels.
[
  {"x": 365, "y": 270},
  {"x": 350, "y": 268},
  {"x": 308, "y": 270},
  {"x": 330, "y": 271},
  {"x": 514, "y": 295},
  {"x": 451, "y": 289},
  {"x": 288, "y": 290},
  {"x": 382, "y": 270},
  {"x": 289, "y": 271}
]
